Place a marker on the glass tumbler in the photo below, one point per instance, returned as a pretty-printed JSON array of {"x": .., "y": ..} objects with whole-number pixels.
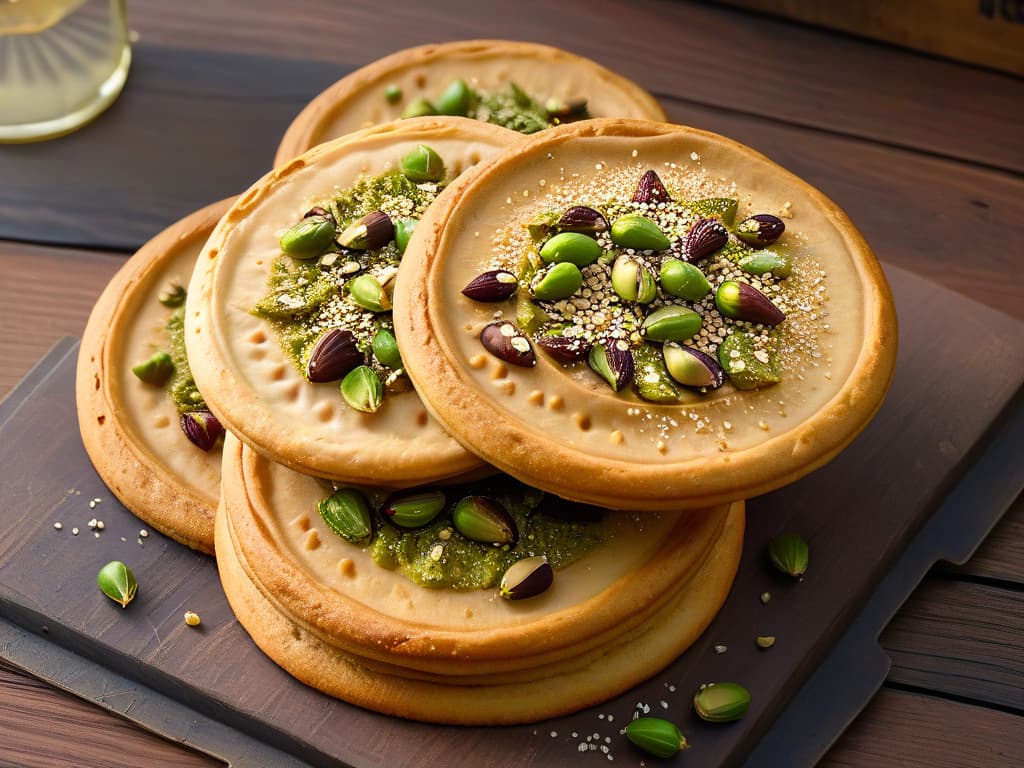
[{"x": 62, "y": 62}]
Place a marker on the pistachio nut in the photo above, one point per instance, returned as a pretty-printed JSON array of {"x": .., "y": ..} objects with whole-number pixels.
[
  {"x": 760, "y": 230},
  {"x": 362, "y": 390},
  {"x": 403, "y": 232},
  {"x": 559, "y": 281},
  {"x": 542, "y": 225},
  {"x": 721, "y": 208},
  {"x": 613, "y": 362},
  {"x": 456, "y": 99},
  {"x": 671, "y": 323},
  {"x": 525, "y": 578},
  {"x": 765, "y": 641},
  {"x": 393, "y": 94},
  {"x": 789, "y": 553},
  {"x": 310, "y": 238},
  {"x": 155, "y": 371},
  {"x": 172, "y": 296},
  {"x": 414, "y": 509},
  {"x": 632, "y": 281},
  {"x": 201, "y": 428},
  {"x": 704, "y": 238},
  {"x": 117, "y": 582},
  {"x": 367, "y": 292},
  {"x": 423, "y": 164},
  {"x": 573, "y": 247},
  {"x": 372, "y": 231},
  {"x": 333, "y": 355},
  {"x": 660, "y": 738},
  {"x": 651, "y": 190},
  {"x": 485, "y": 520},
  {"x": 741, "y": 301},
  {"x": 565, "y": 349},
  {"x": 639, "y": 233},
  {"x": 493, "y": 285},
  {"x": 772, "y": 260},
  {"x": 418, "y": 107},
  {"x": 651, "y": 379},
  {"x": 582, "y": 219},
  {"x": 721, "y": 702},
  {"x": 385, "y": 349},
  {"x": 747, "y": 366},
  {"x": 504, "y": 341},
  {"x": 347, "y": 514},
  {"x": 529, "y": 315},
  {"x": 683, "y": 280},
  {"x": 691, "y": 367},
  {"x": 318, "y": 210}
]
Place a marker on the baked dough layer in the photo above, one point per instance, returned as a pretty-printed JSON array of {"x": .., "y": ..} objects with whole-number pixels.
[
  {"x": 613, "y": 450},
  {"x": 239, "y": 366},
  {"x": 130, "y": 429},
  {"x": 612, "y": 619},
  {"x": 357, "y": 100}
]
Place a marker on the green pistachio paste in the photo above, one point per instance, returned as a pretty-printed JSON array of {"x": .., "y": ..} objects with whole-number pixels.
[
  {"x": 438, "y": 555},
  {"x": 309, "y": 295},
  {"x": 182, "y": 387}
]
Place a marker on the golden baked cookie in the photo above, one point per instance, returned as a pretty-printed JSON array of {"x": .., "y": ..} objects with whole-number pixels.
[
  {"x": 326, "y": 610},
  {"x": 692, "y": 323},
  {"x": 288, "y": 322},
  {"x": 561, "y": 86},
  {"x": 130, "y": 420}
]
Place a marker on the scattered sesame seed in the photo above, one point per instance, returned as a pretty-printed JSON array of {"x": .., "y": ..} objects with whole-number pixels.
[
  {"x": 58, "y": 526},
  {"x": 74, "y": 531},
  {"x": 92, "y": 504},
  {"x": 96, "y": 534},
  {"x": 100, "y": 525},
  {"x": 765, "y": 597},
  {"x": 144, "y": 533},
  {"x": 720, "y": 649}
]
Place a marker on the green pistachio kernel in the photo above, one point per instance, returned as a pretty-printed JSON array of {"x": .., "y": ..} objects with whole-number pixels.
[
  {"x": 362, "y": 389},
  {"x": 456, "y": 99},
  {"x": 173, "y": 296},
  {"x": 541, "y": 225},
  {"x": 347, "y": 514},
  {"x": 721, "y": 208},
  {"x": 747, "y": 366},
  {"x": 671, "y": 323},
  {"x": 414, "y": 509},
  {"x": 423, "y": 164},
  {"x": 557, "y": 282},
  {"x": 403, "y": 232},
  {"x": 766, "y": 260},
  {"x": 632, "y": 281},
  {"x": 529, "y": 317},
  {"x": 684, "y": 280},
  {"x": 367, "y": 292},
  {"x": 722, "y": 702},
  {"x": 651, "y": 378},
  {"x": 660, "y": 738},
  {"x": 639, "y": 233},
  {"x": 117, "y": 582},
  {"x": 418, "y": 108},
  {"x": 310, "y": 238},
  {"x": 790, "y": 554},
  {"x": 482, "y": 519},
  {"x": 156, "y": 371},
  {"x": 393, "y": 94},
  {"x": 573, "y": 247},
  {"x": 385, "y": 349}
]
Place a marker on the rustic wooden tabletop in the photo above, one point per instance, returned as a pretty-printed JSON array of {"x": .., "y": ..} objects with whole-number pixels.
[{"x": 924, "y": 154}]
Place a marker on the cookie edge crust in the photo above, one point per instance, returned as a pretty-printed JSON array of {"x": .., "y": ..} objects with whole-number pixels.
[
  {"x": 306, "y": 129},
  {"x": 348, "y": 625},
  {"x": 136, "y": 476},
  {"x": 597, "y": 676},
  {"x": 454, "y": 398},
  {"x": 241, "y": 410}
]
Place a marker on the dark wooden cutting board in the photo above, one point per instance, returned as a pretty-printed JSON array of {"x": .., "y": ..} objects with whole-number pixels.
[{"x": 960, "y": 367}]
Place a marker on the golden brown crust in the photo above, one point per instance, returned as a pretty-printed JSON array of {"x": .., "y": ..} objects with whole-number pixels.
[
  {"x": 177, "y": 503},
  {"x": 513, "y": 674},
  {"x": 425, "y": 309},
  {"x": 249, "y": 382},
  {"x": 343, "y": 106}
]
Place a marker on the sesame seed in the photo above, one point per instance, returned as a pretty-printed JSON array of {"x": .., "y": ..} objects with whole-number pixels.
[
  {"x": 144, "y": 533},
  {"x": 58, "y": 526},
  {"x": 74, "y": 531}
]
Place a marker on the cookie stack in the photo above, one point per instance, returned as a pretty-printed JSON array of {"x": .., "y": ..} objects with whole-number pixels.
[{"x": 489, "y": 402}]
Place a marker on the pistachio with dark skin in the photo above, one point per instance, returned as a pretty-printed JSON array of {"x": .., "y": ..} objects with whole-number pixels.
[
  {"x": 333, "y": 355},
  {"x": 494, "y": 285},
  {"x": 504, "y": 341}
]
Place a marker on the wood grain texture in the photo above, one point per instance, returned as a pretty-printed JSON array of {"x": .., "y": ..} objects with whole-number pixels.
[
  {"x": 40, "y": 726},
  {"x": 914, "y": 731},
  {"x": 962, "y": 640},
  {"x": 712, "y": 55}
]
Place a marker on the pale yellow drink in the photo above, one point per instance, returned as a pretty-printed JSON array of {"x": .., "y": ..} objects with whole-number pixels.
[{"x": 62, "y": 62}]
